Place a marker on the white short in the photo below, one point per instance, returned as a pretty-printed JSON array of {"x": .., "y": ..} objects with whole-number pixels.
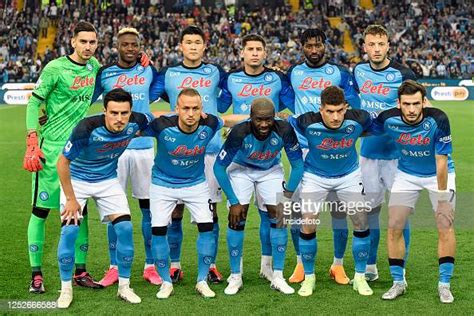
[
  {"x": 406, "y": 189},
  {"x": 108, "y": 196},
  {"x": 266, "y": 184},
  {"x": 163, "y": 200},
  {"x": 214, "y": 188},
  {"x": 136, "y": 165},
  {"x": 377, "y": 177},
  {"x": 349, "y": 189}
]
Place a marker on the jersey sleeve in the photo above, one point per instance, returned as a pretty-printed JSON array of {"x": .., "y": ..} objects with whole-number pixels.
[
  {"x": 295, "y": 157},
  {"x": 143, "y": 120},
  {"x": 443, "y": 143},
  {"x": 225, "y": 97},
  {"x": 350, "y": 89},
  {"x": 407, "y": 74},
  {"x": 77, "y": 141},
  {"x": 98, "y": 89},
  {"x": 157, "y": 125},
  {"x": 378, "y": 124},
  {"x": 287, "y": 95},
  {"x": 215, "y": 123},
  {"x": 157, "y": 87}
]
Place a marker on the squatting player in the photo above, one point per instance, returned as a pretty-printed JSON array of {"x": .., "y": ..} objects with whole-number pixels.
[
  {"x": 332, "y": 165},
  {"x": 137, "y": 160},
  {"x": 423, "y": 139},
  {"x": 88, "y": 169},
  {"x": 241, "y": 87},
  {"x": 378, "y": 81},
  {"x": 250, "y": 161},
  {"x": 178, "y": 177},
  {"x": 207, "y": 79},
  {"x": 309, "y": 79}
]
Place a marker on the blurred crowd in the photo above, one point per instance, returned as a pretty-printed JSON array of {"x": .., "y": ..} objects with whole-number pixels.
[{"x": 434, "y": 38}]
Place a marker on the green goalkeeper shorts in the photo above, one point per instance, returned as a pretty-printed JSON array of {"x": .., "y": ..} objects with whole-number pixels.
[{"x": 45, "y": 186}]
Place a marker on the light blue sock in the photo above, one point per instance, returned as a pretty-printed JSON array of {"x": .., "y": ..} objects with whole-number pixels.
[
  {"x": 374, "y": 227},
  {"x": 66, "y": 250},
  {"x": 235, "y": 242},
  {"x": 125, "y": 251},
  {"x": 146, "y": 232},
  {"x": 279, "y": 241},
  {"x": 360, "y": 250},
  {"x": 446, "y": 269},
  {"x": 308, "y": 251},
  {"x": 112, "y": 238},
  {"x": 161, "y": 253},
  {"x": 175, "y": 239},
  {"x": 295, "y": 237},
  {"x": 406, "y": 237},
  {"x": 205, "y": 245},
  {"x": 265, "y": 233},
  {"x": 215, "y": 233},
  {"x": 339, "y": 233},
  {"x": 396, "y": 269}
]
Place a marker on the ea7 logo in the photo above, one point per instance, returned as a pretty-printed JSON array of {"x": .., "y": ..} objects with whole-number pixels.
[{"x": 170, "y": 139}]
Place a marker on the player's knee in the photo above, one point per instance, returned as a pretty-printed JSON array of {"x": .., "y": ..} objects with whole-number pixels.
[
  {"x": 205, "y": 227},
  {"x": 144, "y": 203},
  {"x": 359, "y": 221},
  {"x": 308, "y": 229},
  {"x": 40, "y": 212},
  {"x": 375, "y": 211},
  {"x": 394, "y": 234},
  {"x": 338, "y": 211},
  {"x": 159, "y": 231}
]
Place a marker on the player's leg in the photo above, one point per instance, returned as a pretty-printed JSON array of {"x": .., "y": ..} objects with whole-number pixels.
[
  {"x": 214, "y": 275},
  {"x": 266, "y": 261},
  {"x": 113, "y": 206},
  {"x": 162, "y": 204},
  {"x": 196, "y": 200},
  {"x": 36, "y": 238},
  {"x": 444, "y": 214},
  {"x": 339, "y": 233},
  {"x": 175, "y": 240},
  {"x": 141, "y": 163}
]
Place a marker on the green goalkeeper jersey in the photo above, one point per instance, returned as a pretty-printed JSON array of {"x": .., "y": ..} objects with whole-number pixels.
[{"x": 66, "y": 88}]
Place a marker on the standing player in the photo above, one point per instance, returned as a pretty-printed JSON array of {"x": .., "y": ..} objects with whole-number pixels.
[
  {"x": 136, "y": 162},
  {"x": 178, "y": 176},
  {"x": 378, "y": 81},
  {"x": 243, "y": 86},
  {"x": 332, "y": 165},
  {"x": 423, "y": 139},
  {"x": 253, "y": 151},
  {"x": 65, "y": 86},
  {"x": 207, "y": 80},
  {"x": 308, "y": 80},
  {"x": 88, "y": 169}
]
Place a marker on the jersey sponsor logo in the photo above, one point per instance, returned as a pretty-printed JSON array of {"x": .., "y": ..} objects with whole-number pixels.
[
  {"x": 248, "y": 90},
  {"x": 266, "y": 155},
  {"x": 310, "y": 83},
  {"x": 416, "y": 153},
  {"x": 329, "y": 143},
  {"x": 445, "y": 139},
  {"x": 188, "y": 82},
  {"x": 373, "y": 105},
  {"x": 407, "y": 139},
  {"x": 111, "y": 146},
  {"x": 244, "y": 107},
  {"x": 334, "y": 156},
  {"x": 124, "y": 80},
  {"x": 80, "y": 82},
  {"x": 370, "y": 88},
  {"x": 183, "y": 150}
]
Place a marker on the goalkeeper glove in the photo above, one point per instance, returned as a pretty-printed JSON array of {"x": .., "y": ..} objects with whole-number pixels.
[{"x": 33, "y": 154}]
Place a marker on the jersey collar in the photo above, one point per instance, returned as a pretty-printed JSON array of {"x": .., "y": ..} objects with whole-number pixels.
[
  {"x": 187, "y": 67},
  {"x": 75, "y": 62},
  {"x": 382, "y": 69},
  {"x": 315, "y": 67}
]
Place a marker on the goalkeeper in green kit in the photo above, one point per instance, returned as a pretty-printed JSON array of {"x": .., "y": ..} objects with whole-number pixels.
[{"x": 65, "y": 87}]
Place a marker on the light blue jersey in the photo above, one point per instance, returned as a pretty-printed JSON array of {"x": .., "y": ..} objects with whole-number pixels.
[
  {"x": 379, "y": 91},
  {"x": 179, "y": 160},
  {"x": 241, "y": 88},
  {"x": 207, "y": 79},
  {"x": 94, "y": 151},
  {"x": 332, "y": 152},
  {"x": 418, "y": 144},
  {"x": 139, "y": 81}
]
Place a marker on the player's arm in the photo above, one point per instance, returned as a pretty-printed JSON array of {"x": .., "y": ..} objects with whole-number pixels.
[
  {"x": 295, "y": 157},
  {"x": 98, "y": 89},
  {"x": 224, "y": 101},
  {"x": 377, "y": 125},
  {"x": 287, "y": 94},
  {"x": 351, "y": 92},
  {"x": 72, "y": 207},
  {"x": 234, "y": 119},
  {"x": 157, "y": 87}
]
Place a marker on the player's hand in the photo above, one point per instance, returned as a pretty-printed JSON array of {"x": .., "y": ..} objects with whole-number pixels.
[
  {"x": 71, "y": 212},
  {"x": 236, "y": 214},
  {"x": 33, "y": 155},
  {"x": 283, "y": 115},
  {"x": 444, "y": 215},
  {"x": 43, "y": 118},
  {"x": 144, "y": 60},
  {"x": 203, "y": 115}
]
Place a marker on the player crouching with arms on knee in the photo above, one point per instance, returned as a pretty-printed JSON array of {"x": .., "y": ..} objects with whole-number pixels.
[
  {"x": 88, "y": 169},
  {"x": 423, "y": 137}
]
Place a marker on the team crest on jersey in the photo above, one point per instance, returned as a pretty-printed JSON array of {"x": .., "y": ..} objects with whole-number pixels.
[
  {"x": 274, "y": 141},
  {"x": 203, "y": 135},
  {"x": 268, "y": 77},
  {"x": 207, "y": 70},
  {"x": 329, "y": 70},
  {"x": 244, "y": 107},
  {"x": 350, "y": 129},
  {"x": 140, "y": 68},
  {"x": 426, "y": 126},
  {"x": 129, "y": 130},
  {"x": 96, "y": 139},
  {"x": 390, "y": 77},
  {"x": 89, "y": 67},
  {"x": 44, "y": 196}
]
